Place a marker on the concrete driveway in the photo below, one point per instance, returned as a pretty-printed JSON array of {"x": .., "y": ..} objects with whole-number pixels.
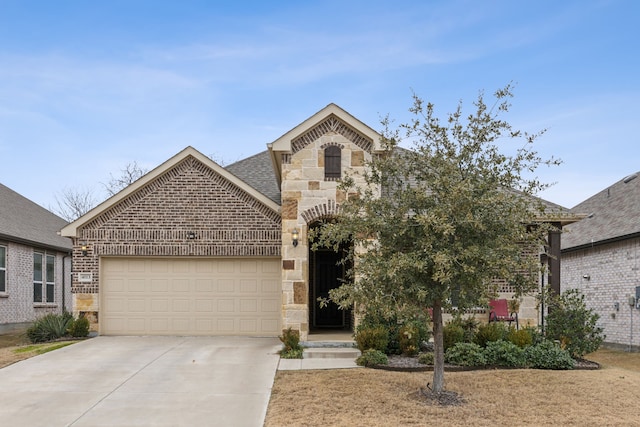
[{"x": 143, "y": 381}]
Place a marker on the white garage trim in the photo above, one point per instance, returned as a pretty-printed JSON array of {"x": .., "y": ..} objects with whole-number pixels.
[{"x": 190, "y": 296}]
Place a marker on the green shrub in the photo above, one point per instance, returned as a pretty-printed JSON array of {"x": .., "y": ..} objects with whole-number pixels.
[
  {"x": 426, "y": 358},
  {"x": 548, "y": 355},
  {"x": 372, "y": 337},
  {"x": 291, "y": 340},
  {"x": 452, "y": 334},
  {"x": 79, "y": 328},
  {"x": 49, "y": 327},
  {"x": 504, "y": 353},
  {"x": 372, "y": 357},
  {"x": 491, "y": 332},
  {"x": 465, "y": 354},
  {"x": 292, "y": 354},
  {"x": 521, "y": 337},
  {"x": 417, "y": 322},
  {"x": 409, "y": 338},
  {"x": 573, "y": 324}
]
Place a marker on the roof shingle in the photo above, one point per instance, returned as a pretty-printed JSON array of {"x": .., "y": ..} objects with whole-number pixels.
[
  {"x": 25, "y": 221},
  {"x": 611, "y": 214}
]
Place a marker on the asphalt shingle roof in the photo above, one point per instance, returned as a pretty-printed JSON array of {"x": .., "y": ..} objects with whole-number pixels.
[
  {"x": 257, "y": 171},
  {"x": 24, "y": 221},
  {"x": 611, "y": 214}
]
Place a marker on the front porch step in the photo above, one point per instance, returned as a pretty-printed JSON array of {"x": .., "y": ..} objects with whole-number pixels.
[
  {"x": 330, "y": 353},
  {"x": 347, "y": 343}
]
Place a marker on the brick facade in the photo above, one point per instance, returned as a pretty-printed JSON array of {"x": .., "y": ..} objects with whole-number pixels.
[
  {"x": 188, "y": 211},
  {"x": 16, "y": 304},
  {"x": 608, "y": 274}
]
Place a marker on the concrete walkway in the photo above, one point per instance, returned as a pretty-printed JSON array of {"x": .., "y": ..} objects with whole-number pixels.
[{"x": 142, "y": 381}]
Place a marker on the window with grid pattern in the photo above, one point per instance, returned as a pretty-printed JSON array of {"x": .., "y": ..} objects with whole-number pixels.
[{"x": 332, "y": 162}]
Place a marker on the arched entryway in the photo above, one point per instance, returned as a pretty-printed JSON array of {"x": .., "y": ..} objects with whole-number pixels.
[{"x": 326, "y": 272}]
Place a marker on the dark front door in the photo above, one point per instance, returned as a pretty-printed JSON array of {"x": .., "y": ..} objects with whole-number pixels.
[{"x": 326, "y": 273}]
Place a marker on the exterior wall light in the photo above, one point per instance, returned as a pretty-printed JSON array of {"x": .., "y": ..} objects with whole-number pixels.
[
  {"x": 84, "y": 249},
  {"x": 295, "y": 236},
  {"x": 191, "y": 235},
  {"x": 586, "y": 277}
]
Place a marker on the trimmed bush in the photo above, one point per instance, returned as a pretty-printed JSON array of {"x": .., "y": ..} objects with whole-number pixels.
[
  {"x": 573, "y": 324},
  {"x": 491, "y": 332},
  {"x": 452, "y": 334},
  {"x": 548, "y": 355},
  {"x": 372, "y": 357},
  {"x": 504, "y": 353},
  {"x": 79, "y": 328},
  {"x": 409, "y": 338},
  {"x": 426, "y": 358},
  {"x": 465, "y": 354},
  {"x": 291, "y": 340},
  {"x": 372, "y": 338},
  {"x": 49, "y": 327},
  {"x": 521, "y": 337}
]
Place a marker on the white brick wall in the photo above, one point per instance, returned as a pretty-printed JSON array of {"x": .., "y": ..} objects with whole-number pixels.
[
  {"x": 614, "y": 272},
  {"x": 16, "y": 305}
]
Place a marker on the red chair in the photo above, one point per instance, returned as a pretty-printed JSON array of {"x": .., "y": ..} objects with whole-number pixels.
[{"x": 499, "y": 312}]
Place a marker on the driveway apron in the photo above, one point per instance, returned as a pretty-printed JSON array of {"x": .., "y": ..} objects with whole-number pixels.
[{"x": 143, "y": 381}]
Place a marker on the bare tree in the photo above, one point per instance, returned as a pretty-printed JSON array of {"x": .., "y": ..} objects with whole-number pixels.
[
  {"x": 129, "y": 174},
  {"x": 72, "y": 203}
]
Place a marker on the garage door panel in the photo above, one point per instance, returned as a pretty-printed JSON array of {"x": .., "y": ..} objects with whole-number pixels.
[
  {"x": 180, "y": 305},
  {"x": 226, "y": 285},
  {"x": 180, "y": 285},
  {"x": 160, "y": 285},
  {"x": 136, "y": 285},
  {"x": 249, "y": 286},
  {"x": 190, "y": 297}
]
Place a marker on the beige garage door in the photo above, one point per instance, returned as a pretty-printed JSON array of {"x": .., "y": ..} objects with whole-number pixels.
[{"x": 190, "y": 296}]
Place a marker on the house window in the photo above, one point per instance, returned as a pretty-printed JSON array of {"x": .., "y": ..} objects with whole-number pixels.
[
  {"x": 44, "y": 273},
  {"x": 3, "y": 269},
  {"x": 332, "y": 162}
]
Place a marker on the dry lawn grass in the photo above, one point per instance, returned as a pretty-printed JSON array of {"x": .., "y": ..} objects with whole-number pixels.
[
  {"x": 366, "y": 397},
  {"x": 15, "y": 346}
]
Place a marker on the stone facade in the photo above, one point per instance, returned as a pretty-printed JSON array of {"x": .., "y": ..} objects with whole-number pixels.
[
  {"x": 16, "y": 304},
  {"x": 307, "y": 197},
  {"x": 187, "y": 211},
  {"x": 607, "y": 274}
]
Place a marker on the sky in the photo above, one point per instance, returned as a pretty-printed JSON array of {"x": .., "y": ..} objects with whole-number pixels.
[{"x": 89, "y": 87}]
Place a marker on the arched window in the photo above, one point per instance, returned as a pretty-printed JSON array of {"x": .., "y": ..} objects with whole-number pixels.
[{"x": 332, "y": 163}]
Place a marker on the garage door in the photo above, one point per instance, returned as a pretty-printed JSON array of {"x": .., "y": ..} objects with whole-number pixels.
[{"x": 190, "y": 296}]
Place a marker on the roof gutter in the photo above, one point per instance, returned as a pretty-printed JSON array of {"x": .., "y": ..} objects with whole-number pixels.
[
  {"x": 600, "y": 242},
  {"x": 34, "y": 243}
]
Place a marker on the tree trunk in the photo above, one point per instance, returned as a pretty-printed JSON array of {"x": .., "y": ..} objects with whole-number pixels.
[{"x": 438, "y": 359}]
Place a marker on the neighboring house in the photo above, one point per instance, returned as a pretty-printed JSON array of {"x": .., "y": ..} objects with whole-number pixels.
[
  {"x": 601, "y": 257},
  {"x": 35, "y": 261},
  {"x": 193, "y": 248}
]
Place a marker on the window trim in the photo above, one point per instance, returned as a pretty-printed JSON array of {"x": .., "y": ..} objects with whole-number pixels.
[
  {"x": 3, "y": 269},
  {"x": 332, "y": 163},
  {"x": 45, "y": 282}
]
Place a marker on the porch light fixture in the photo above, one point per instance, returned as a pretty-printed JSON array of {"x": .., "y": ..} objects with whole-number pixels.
[
  {"x": 191, "y": 235},
  {"x": 586, "y": 277},
  {"x": 84, "y": 249},
  {"x": 295, "y": 236}
]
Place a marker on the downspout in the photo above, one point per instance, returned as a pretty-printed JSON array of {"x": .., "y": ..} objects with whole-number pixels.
[{"x": 64, "y": 281}]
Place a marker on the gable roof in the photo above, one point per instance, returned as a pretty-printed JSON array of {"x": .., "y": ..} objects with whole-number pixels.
[
  {"x": 612, "y": 214},
  {"x": 24, "y": 221},
  {"x": 71, "y": 229},
  {"x": 330, "y": 117},
  {"x": 257, "y": 171}
]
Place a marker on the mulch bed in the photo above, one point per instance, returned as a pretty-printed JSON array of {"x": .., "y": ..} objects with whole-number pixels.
[{"x": 411, "y": 364}]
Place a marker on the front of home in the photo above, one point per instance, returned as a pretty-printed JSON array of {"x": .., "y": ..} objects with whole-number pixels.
[
  {"x": 193, "y": 248},
  {"x": 35, "y": 262}
]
